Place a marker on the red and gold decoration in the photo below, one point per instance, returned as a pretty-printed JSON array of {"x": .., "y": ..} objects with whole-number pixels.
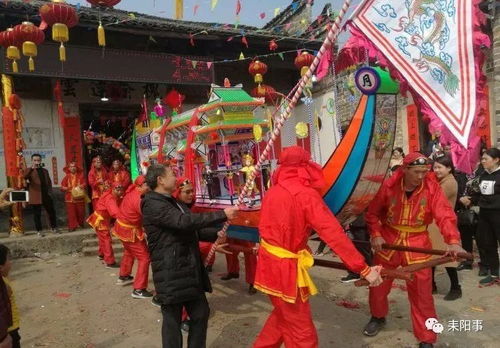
[
  {"x": 303, "y": 61},
  {"x": 257, "y": 69},
  {"x": 266, "y": 92},
  {"x": 101, "y": 35},
  {"x": 12, "y": 124},
  {"x": 60, "y": 16},
  {"x": 29, "y": 36},
  {"x": 9, "y": 42}
]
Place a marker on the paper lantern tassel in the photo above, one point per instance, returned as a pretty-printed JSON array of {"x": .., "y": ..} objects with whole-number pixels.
[{"x": 101, "y": 35}]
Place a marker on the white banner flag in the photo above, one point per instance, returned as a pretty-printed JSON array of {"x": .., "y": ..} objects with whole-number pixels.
[{"x": 430, "y": 44}]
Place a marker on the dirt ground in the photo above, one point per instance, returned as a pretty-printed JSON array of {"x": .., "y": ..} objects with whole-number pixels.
[{"x": 72, "y": 301}]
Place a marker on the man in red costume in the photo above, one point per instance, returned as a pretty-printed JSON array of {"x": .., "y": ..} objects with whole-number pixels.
[
  {"x": 399, "y": 214},
  {"x": 100, "y": 220},
  {"x": 233, "y": 264},
  {"x": 128, "y": 228},
  {"x": 291, "y": 207},
  {"x": 73, "y": 184},
  {"x": 119, "y": 174},
  {"x": 98, "y": 180}
]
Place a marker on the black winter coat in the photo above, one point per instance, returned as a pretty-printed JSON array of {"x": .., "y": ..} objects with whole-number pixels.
[{"x": 172, "y": 234}]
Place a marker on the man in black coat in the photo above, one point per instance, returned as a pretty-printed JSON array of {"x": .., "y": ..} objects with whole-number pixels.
[{"x": 178, "y": 272}]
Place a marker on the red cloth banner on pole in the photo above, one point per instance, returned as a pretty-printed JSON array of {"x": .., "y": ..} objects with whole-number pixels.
[
  {"x": 73, "y": 141},
  {"x": 9, "y": 141},
  {"x": 413, "y": 131}
]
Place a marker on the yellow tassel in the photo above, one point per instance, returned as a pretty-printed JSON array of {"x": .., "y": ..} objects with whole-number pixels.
[
  {"x": 101, "y": 35},
  {"x": 31, "y": 64},
  {"x": 15, "y": 67},
  {"x": 62, "y": 53}
]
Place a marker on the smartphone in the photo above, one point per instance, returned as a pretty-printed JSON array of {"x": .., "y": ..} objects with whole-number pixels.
[{"x": 19, "y": 196}]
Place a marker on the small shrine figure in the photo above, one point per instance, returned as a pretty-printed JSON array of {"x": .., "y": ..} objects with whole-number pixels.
[
  {"x": 208, "y": 183},
  {"x": 248, "y": 167}
]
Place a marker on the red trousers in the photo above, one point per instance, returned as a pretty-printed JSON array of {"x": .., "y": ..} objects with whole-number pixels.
[
  {"x": 233, "y": 263},
  {"x": 136, "y": 250},
  {"x": 288, "y": 323},
  {"x": 94, "y": 203},
  {"x": 76, "y": 214},
  {"x": 419, "y": 294},
  {"x": 204, "y": 250},
  {"x": 105, "y": 246}
]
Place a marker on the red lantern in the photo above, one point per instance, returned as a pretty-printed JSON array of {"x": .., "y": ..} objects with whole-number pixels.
[
  {"x": 101, "y": 35},
  {"x": 29, "y": 36},
  {"x": 303, "y": 61},
  {"x": 60, "y": 17},
  {"x": 257, "y": 69},
  {"x": 266, "y": 92},
  {"x": 9, "y": 41}
]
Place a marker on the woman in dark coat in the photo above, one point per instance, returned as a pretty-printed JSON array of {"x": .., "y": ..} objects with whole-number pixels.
[{"x": 178, "y": 273}]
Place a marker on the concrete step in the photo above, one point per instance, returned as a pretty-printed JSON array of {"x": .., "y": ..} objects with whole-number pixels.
[
  {"x": 92, "y": 251},
  {"x": 91, "y": 242}
]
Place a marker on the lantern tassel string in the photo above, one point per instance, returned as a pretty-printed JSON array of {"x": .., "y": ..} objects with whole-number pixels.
[{"x": 329, "y": 40}]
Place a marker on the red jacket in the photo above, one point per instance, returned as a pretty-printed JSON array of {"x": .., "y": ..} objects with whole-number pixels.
[
  {"x": 97, "y": 181},
  {"x": 128, "y": 224},
  {"x": 69, "y": 182},
  {"x": 289, "y": 211},
  {"x": 121, "y": 176},
  {"x": 106, "y": 209},
  {"x": 402, "y": 220}
]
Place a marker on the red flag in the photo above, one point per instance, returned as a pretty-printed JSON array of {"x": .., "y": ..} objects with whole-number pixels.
[
  {"x": 238, "y": 7},
  {"x": 273, "y": 45}
]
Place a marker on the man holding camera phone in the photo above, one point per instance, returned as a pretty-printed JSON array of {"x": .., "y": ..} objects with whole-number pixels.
[{"x": 40, "y": 191}]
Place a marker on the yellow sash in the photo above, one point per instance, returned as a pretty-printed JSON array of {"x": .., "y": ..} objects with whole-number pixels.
[
  {"x": 123, "y": 224},
  {"x": 409, "y": 229},
  {"x": 304, "y": 262},
  {"x": 99, "y": 218}
]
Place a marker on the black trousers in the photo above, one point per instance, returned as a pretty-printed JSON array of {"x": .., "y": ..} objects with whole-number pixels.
[
  {"x": 198, "y": 311},
  {"x": 16, "y": 338},
  {"x": 467, "y": 233},
  {"x": 488, "y": 237},
  {"x": 48, "y": 204}
]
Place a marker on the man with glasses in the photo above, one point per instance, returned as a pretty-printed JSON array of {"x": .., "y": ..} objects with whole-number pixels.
[{"x": 399, "y": 214}]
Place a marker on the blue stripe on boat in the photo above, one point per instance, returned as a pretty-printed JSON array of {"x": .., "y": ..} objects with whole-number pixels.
[
  {"x": 339, "y": 194},
  {"x": 243, "y": 232}
]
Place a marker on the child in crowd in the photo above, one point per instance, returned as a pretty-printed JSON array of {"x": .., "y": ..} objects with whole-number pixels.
[{"x": 5, "y": 265}]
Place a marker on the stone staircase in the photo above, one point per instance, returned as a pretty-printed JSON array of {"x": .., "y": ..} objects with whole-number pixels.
[{"x": 90, "y": 247}]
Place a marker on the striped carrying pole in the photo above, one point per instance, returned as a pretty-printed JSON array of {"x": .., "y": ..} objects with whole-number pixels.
[{"x": 327, "y": 43}]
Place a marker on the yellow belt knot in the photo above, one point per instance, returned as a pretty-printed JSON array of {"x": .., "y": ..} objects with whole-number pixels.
[{"x": 304, "y": 262}]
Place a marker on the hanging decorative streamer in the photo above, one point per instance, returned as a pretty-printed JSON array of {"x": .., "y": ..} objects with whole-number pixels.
[
  {"x": 262, "y": 15},
  {"x": 238, "y": 7},
  {"x": 276, "y": 11},
  {"x": 179, "y": 9},
  {"x": 194, "y": 63},
  {"x": 195, "y": 9},
  {"x": 242, "y": 56},
  {"x": 244, "y": 41},
  {"x": 213, "y": 4},
  {"x": 294, "y": 94}
]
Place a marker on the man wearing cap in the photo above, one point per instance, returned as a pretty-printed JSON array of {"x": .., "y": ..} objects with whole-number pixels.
[
  {"x": 100, "y": 220},
  {"x": 73, "y": 185},
  {"x": 291, "y": 208},
  {"x": 119, "y": 174},
  {"x": 98, "y": 180},
  {"x": 399, "y": 214},
  {"x": 128, "y": 228}
]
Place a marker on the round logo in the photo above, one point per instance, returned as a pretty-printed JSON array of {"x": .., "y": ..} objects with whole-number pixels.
[{"x": 367, "y": 80}]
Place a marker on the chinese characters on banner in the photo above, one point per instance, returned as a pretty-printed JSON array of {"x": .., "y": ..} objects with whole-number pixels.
[
  {"x": 73, "y": 141},
  {"x": 9, "y": 140},
  {"x": 413, "y": 132}
]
